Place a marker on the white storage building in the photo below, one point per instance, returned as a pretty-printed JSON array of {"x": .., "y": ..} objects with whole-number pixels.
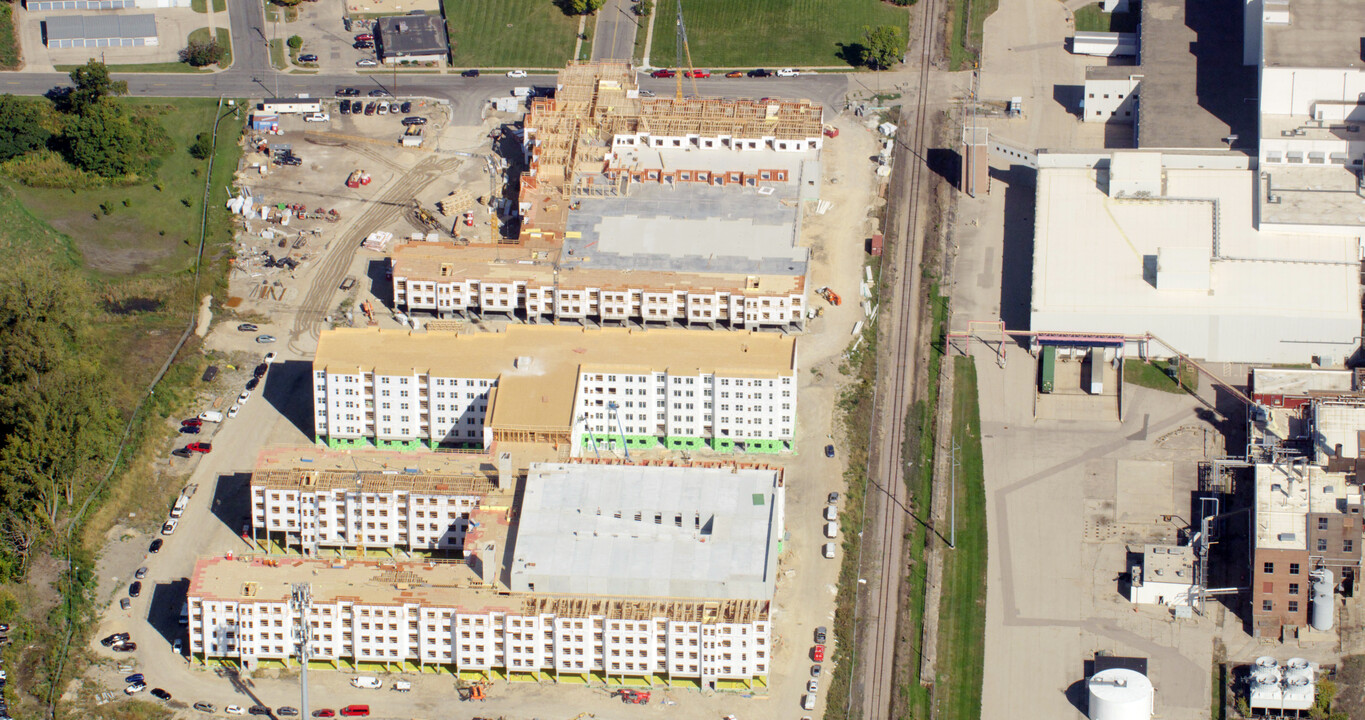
[{"x": 99, "y": 31}]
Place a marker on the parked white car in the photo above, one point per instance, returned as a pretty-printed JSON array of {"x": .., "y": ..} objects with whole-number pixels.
[
  {"x": 246, "y": 395},
  {"x": 366, "y": 63},
  {"x": 235, "y": 710},
  {"x": 269, "y": 358},
  {"x": 169, "y": 527},
  {"x": 516, "y": 73},
  {"x": 788, "y": 72},
  {"x": 317, "y": 117},
  {"x": 232, "y": 411}
]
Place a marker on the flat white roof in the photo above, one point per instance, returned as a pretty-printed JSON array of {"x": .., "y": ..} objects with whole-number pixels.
[
  {"x": 648, "y": 531},
  {"x": 1270, "y": 297},
  {"x": 1337, "y": 423},
  {"x": 1284, "y": 497},
  {"x": 1301, "y": 381}
]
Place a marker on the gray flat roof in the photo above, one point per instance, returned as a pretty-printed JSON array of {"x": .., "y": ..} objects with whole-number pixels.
[
  {"x": 1194, "y": 85},
  {"x": 94, "y": 27},
  {"x": 1320, "y": 34},
  {"x": 648, "y": 531},
  {"x": 689, "y": 228},
  {"x": 412, "y": 35}
]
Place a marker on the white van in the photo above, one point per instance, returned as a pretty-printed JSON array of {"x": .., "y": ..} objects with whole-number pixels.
[
  {"x": 831, "y": 513},
  {"x": 831, "y": 529},
  {"x": 402, "y": 685},
  {"x": 808, "y": 702},
  {"x": 364, "y": 681},
  {"x": 829, "y": 550},
  {"x": 211, "y": 416}
]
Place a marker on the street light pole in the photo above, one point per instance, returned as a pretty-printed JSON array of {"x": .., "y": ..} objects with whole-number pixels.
[{"x": 301, "y": 601}]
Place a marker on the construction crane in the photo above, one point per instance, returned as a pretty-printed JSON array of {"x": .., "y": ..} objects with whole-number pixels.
[{"x": 683, "y": 51}]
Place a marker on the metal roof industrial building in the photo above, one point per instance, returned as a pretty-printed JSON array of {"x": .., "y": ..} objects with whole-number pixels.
[
  {"x": 73, "y": 31},
  {"x": 649, "y": 531}
]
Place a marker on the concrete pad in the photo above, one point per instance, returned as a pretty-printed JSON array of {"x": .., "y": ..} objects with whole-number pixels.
[{"x": 1145, "y": 490}]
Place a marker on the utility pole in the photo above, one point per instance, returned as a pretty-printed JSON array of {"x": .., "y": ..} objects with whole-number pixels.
[
  {"x": 301, "y": 602},
  {"x": 952, "y": 512}
]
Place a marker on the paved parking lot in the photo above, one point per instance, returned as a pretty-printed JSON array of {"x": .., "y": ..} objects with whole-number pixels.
[
  {"x": 173, "y": 28},
  {"x": 324, "y": 33}
]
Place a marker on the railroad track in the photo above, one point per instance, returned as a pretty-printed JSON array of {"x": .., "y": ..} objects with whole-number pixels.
[{"x": 898, "y": 365}]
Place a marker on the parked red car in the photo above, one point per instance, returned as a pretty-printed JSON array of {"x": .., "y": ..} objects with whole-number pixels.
[
  {"x": 663, "y": 74},
  {"x": 698, "y": 73},
  {"x": 356, "y": 711},
  {"x": 199, "y": 447},
  {"x": 324, "y": 713},
  {"x": 818, "y": 653},
  {"x": 192, "y": 422},
  {"x": 364, "y": 37}
]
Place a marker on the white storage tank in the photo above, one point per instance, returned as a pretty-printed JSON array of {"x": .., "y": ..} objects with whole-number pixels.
[
  {"x": 1121, "y": 694},
  {"x": 1323, "y": 582}
]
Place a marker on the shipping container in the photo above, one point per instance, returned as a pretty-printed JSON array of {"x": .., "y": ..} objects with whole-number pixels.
[{"x": 1048, "y": 375}]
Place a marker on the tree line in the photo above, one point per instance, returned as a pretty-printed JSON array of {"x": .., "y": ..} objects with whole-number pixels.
[
  {"x": 85, "y": 126},
  {"x": 59, "y": 412}
]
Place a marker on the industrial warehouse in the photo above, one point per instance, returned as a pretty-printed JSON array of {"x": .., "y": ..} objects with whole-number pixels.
[
  {"x": 673, "y": 586},
  {"x": 1138, "y": 243}
]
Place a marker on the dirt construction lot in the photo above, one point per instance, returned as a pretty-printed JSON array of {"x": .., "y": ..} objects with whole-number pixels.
[{"x": 293, "y": 304}]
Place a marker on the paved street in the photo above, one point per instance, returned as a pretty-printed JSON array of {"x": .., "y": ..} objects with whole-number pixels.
[
  {"x": 614, "y": 38},
  {"x": 251, "y": 75}
]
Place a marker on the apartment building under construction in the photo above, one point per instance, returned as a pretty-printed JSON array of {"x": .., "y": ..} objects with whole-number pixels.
[
  {"x": 598, "y": 137},
  {"x": 312, "y": 510},
  {"x": 673, "y": 587},
  {"x": 589, "y": 389},
  {"x": 534, "y": 286},
  {"x": 641, "y": 210}
]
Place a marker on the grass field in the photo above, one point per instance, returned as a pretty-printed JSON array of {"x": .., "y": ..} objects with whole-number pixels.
[
  {"x": 917, "y": 453},
  {"x": 755, "y": 33},
  {"x": 962, "y": 614},
  {"x": 967, "y": 21},
  {"x": 166, "y": 67},
  {"x": 1091, "y": 19},
  {"x": 509, "y": 33},
  {"x": 1154, "y": 375},
  {"x": 151, "y": 227},
  {"x": 9, "y": 39}
]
